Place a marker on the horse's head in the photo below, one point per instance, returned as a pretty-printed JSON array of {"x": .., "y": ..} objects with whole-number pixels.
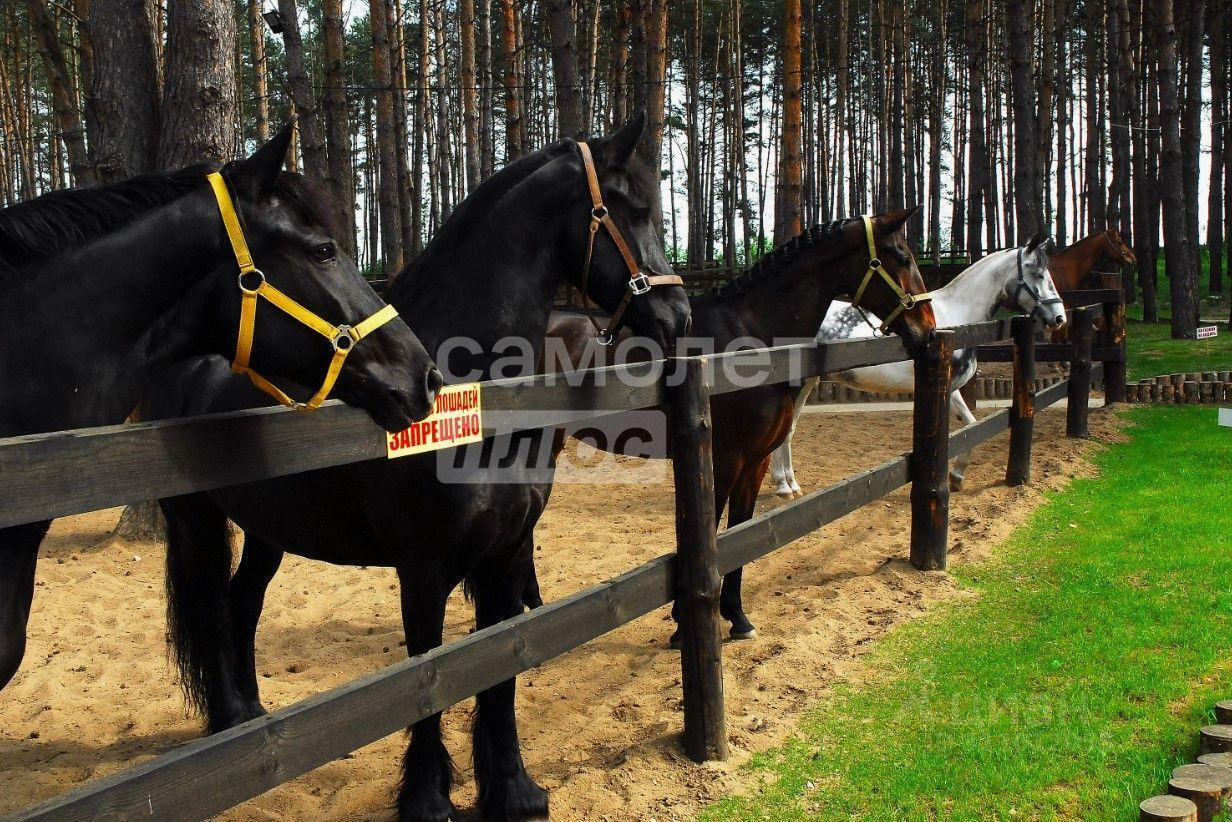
[
  {"x": 1118, "y": 250},
  {"x": 910, "y": 319},
  {"x": 287, "y": 224},
  {"x": 1030, "y": 289},
  {"x": 624, "y": 266}
]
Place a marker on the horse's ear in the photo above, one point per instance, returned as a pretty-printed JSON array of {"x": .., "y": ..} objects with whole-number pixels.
[
  {"x": 894, "y": 220},
  {"x": 616, "y": 149},
  {"x": 255, "y": 176},
  {"x": 1050, "y": 246},
  {"x": 1034, "y": 242}
]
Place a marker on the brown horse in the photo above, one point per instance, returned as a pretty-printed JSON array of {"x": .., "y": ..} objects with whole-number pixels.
[
  {"x": 781, "y": 298},
  {"x": 1075, "y": 267}
]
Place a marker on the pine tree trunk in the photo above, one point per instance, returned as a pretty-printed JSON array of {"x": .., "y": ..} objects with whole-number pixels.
[
  {"x": 125, "y": 91},
  {"x": 337, "y": 128},
  {"x": 487, "y": 117},
  {"x": 199, "y": 94},
  {"x": 562, "y": 29},
  {"x": 1028, "y": 185},
  {"x": 1177, "y": 256},
  {"x": 514, "y": 125},
  {"x": 64, "y": 103},
  {"x": 311, "y": 135},
  {"x": 1093, "y": 189},
  {"x": 787, "y": 218},
  {"x": 1191, "y": 25},
  {"x": 977, "y": 153},
  {"x": 470, "y": 100},
  {"x": 397, "y": 57},
  {"x": 387, "y": 161},
  {"x": 656, "y": 90},
  {"x": 260, "y": 70},
  {"x": 1219, "y": 92}
]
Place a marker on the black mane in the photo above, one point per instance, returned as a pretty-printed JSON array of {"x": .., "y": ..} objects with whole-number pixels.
[
  {"x": 60, "y": 220},
  {"x": 772, "y": 262}
]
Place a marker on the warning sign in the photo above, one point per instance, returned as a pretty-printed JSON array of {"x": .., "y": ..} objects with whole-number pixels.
[
  {"x": 456, "y": 419},
  {"x": 1205, "y": 332}
]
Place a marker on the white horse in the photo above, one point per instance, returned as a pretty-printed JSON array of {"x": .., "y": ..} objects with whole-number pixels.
[{"x": 1017, "y": 278}]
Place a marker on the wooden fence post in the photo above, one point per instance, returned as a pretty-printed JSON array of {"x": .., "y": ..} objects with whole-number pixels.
[
  {"x": 1112, "y": 335},
  {"x": 1022, "y": 411},
  {"x": 697, "y": 570},
  {"x": 1081, "y": 332},
  {"x": 930, "y": 453}
]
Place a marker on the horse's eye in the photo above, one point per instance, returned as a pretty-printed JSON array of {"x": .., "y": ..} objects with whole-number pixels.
[{"x": 324, "y": 252}]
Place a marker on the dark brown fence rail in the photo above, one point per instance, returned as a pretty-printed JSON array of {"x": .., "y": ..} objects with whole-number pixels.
[{"x": 110, "y": 466}]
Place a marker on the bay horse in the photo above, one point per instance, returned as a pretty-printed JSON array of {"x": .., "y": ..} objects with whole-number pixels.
[
  {"x": 1074, "y": 267},
  {"x": 1017, "y": 279},
  {"x": 782, "y": 297},
  {"x": 486, "y": 279},
  {"x": 104, "y": 287}
]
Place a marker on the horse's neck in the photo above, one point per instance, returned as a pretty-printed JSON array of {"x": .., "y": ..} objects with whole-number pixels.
[
  {"x": 787, "y": 305},
  {"x": 486, "y": 292},
  {"x": 976, "y": 295},
  {"x": 91, "y": 326},
  {"x": 1071, "y": 265}
]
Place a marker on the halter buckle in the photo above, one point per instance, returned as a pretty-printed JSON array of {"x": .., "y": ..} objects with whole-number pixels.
[
  {"x": 258, "y": 273},
  {"x": 344, "y": 339},
  {"x": 639, "y": 284}
]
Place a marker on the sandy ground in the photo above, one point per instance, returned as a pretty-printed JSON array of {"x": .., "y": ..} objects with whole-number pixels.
[{"x": 598, "y": 725}]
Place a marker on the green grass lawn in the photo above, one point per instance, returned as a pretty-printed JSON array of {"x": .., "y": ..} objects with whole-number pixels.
[
  {"x": 1151, "y": 351},
  {"x": 1074, "y": 682}
]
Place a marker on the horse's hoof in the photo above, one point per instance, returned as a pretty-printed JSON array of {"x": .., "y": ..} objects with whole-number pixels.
[
  {"x": 514, "y": 798},
  {"x": 796, "y": 493},
  {"x": 751, "y": 633},
  {"x": 426, "y": 808},
  {"x": 787, "y": 494}
]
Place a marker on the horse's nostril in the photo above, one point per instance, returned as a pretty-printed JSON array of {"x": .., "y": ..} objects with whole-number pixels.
[{"x": 433, "y": 380}]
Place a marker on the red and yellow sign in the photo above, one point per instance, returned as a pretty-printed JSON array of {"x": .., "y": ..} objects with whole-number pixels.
[{"x": 456, "y": 419}]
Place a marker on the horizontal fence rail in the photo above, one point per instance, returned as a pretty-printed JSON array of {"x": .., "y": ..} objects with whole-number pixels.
[{"x": 70, "y": 472}]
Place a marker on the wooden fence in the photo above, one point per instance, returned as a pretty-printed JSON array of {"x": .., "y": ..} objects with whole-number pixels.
[{"x": 51, "y": 475}]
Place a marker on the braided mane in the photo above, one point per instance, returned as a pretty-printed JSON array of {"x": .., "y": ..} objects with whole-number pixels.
[{"x": 777, "y": 259}]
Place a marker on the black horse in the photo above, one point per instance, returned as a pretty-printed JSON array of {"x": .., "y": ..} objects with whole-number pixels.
[
  {"x": 781, "y": 298},
  {"x": 488, "y": 277},
  {"x": 102, "y": 288}
]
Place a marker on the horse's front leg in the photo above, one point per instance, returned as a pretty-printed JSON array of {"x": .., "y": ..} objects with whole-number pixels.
[
  {"x": 19, "y": 547},
  {"x": 782, "y": 467},
  {"x": 258, "y": 564},
  {"x": 427, "y": 771},
  {"x": 506, "y": 790},
  {"x": 959, "y": 471}
]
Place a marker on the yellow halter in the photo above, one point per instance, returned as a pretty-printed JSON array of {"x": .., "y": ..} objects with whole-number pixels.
[
  {"x": 253, "y": 284},
  {"x": 906, "y": 301}
]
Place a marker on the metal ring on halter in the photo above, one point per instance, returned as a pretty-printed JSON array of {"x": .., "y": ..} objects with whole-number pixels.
[
  {"x": 874, "y": 263},
  {"x": 598, "y": 212},
  {"x": 605, "y": 338},
  {"x": 344, "y": 333},
  {"x": 260, "y": 276}
]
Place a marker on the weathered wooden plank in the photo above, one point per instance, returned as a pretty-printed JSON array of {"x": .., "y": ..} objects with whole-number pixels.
[
  {"x": 207, "y": 776},
  {"x": 1093, "y": 295},
  {"x": 1047, "y": 352},
  {"x": 753, "y": 539},
  {"x": 966, "y": 438}
]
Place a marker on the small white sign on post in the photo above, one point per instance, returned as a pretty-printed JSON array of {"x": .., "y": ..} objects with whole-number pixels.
[
  {"x": 456, "y": 419},
  {"x": 1225, "y": 417},
  {"x": 1205, "y": 332}
]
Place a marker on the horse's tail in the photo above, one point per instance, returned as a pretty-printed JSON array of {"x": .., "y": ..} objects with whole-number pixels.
[{"x": 198, "y": 577}]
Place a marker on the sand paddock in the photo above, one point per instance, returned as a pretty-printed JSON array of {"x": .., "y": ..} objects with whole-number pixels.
[{"x": 96, "y": 692}]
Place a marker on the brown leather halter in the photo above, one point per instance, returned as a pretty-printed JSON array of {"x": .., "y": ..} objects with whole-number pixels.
[{"x": 639, "y": 281}]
